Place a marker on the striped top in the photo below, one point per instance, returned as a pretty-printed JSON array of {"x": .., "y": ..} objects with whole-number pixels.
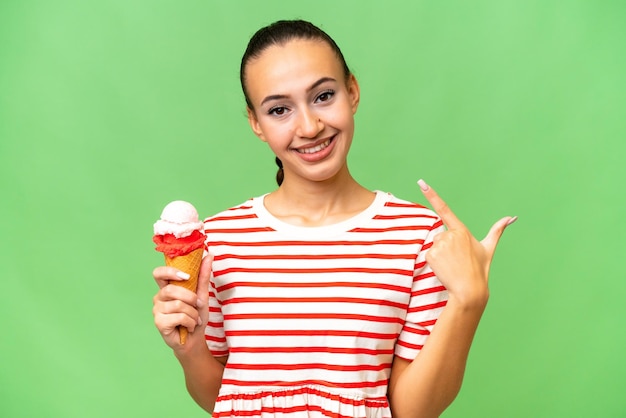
[{"x": 311, "y": 318}]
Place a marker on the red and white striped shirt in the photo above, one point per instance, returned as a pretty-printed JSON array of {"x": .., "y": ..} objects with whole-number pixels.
[{"x": 311, "y": 318}]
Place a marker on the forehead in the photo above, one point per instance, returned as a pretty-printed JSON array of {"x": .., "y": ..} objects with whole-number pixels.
[{"x": 294, "y": 64}]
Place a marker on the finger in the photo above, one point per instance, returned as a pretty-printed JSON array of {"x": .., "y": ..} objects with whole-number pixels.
[
  {"x": 176, "y": 306},
  {"x": 490, "y": 242},
  {"x": 204, "y": 278},
  {"x": 164, "y": 274},
  {"x": 440, "y": 207},
  {"x": 175, "y": 293},
  {"x": 167, "y": 323}
]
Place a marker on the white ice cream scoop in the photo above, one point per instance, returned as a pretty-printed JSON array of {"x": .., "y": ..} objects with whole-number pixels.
[{"x": 179, "y": 218}]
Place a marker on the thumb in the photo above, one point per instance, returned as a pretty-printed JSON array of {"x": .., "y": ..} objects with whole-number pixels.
[
  {"x": 493, "y": 237},
  {"x": 204, "y": 278}
]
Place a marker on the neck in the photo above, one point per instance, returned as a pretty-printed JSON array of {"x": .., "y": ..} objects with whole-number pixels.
[{"x": 307, "y": 203}]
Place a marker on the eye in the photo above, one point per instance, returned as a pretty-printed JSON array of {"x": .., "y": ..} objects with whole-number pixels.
[
  {"x": 325, "y": 96},
  {"x": 277, "y": 111}
]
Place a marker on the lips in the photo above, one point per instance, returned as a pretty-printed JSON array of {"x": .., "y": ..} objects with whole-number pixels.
[
  {"x": 316, "y": 148},
  {"x": 317, "y": 151}
]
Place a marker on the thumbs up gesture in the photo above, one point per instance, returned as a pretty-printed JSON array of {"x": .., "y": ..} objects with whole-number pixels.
[{"x": 459, "y": 260}]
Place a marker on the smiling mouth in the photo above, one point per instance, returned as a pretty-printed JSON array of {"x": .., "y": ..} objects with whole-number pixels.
[{"x": 317, "y": 148}]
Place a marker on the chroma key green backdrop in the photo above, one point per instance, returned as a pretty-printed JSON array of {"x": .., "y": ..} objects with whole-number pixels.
[{"x": 110, "y": 109}]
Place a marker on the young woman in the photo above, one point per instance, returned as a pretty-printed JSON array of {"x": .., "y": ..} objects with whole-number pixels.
[{"x": 323, "y": 298}]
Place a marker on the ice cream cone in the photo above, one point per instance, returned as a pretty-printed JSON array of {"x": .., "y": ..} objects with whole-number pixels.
[
  {"x": 179, "y": 235},
  {"x": 190, "y": 264}
]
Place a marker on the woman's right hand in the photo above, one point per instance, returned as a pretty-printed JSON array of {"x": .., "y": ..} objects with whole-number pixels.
[{"x": 176, "y": 306}]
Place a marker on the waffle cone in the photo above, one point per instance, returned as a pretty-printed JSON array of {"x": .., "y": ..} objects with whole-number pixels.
[{"x": 190, "y": 264}]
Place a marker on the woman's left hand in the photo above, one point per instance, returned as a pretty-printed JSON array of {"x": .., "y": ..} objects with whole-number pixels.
[{"x": 459, "y": 260}]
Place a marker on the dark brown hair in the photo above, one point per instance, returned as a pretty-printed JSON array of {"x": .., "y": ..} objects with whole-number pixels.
[{"x": 279, "y": 33}]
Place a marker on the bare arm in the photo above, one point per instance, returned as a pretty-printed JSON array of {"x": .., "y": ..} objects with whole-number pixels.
[
  {"x": 426, "y": 386},
  {"x": 203, "y": 375},
  {"x": 176, "y": 306}
]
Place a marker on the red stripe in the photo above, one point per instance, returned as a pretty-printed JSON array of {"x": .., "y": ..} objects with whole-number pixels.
[
  {"x": 323, "y": 349},
  {"x": 315, "y": 243},
  {"x": 311, "y": 366},
  {"x": 315, "y": 300},
  {"x": 313, "y": 256},
  {"x": 417, "y": 331},
  {"x": 235, "y": 209},
  {"x": 281, "y": 411},
  {"x": 237, "y": 230},
  {"x": 424, "y": 276},
  {"x": 215, "y": 339},
  {"x": 382, "y": 286},
  {"x": 355, "y": 317},
  {"x": 427, "y": 307},
  {"x": 409, "y": 345},
  {"x": 231, "y": 218},
  {"x": 217, "y": 273},
  {"x": 308, "y": 333},
  {"x": 427, "y": 323},
  {"x": 429, "y": 290},
  {"x": 345, "y": 385},
  {"x": 427, "y": 246},
  {"x": 405, "y": 205},
  {"x": 273, "y": 410},
  {"x": 420, "y": 265},
  {"x": 374, "y": 402},
  {"x": 393, "y": 228},
  {"x": 405, "y": 216}
]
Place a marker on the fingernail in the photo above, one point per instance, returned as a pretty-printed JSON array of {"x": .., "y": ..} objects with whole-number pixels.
[
  {"x": 512, "y": 220},
  {"x": 182, "y": 275},
  {"x": 199, "y": 303},
  {"x": 423, "y": 185}
]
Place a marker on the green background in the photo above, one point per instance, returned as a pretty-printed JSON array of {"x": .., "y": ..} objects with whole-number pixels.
[{"x": 110, "y": 109}]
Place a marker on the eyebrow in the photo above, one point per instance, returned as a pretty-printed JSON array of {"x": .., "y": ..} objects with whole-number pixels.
[{"x": 312, "y": 87}]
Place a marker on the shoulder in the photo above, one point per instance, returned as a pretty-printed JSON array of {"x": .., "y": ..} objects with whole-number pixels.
[
  {"x": 244, "y": 210},
  {"x": 396, "y": 208}
]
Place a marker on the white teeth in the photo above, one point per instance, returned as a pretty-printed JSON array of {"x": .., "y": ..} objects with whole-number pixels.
[{"x": 314, "y": 149}]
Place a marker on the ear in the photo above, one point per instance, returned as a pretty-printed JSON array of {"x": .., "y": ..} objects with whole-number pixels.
[
  {"x": 354, "y": 92},
  {"x": 254, "y": 124}
]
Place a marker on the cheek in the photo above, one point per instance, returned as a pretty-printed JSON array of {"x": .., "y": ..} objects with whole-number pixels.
[
  {"x": 276, "y": 134},
  {"x": 343, "y": 118},
  {"x": 347, "y": 123}
]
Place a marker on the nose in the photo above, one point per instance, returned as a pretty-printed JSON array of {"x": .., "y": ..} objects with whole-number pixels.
[{"x": 309, "y": 124}]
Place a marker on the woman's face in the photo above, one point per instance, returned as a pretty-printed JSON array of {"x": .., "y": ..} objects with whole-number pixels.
[{"x": 303, "y": 107}]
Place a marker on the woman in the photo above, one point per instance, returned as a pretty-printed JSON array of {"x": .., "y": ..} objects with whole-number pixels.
[{"x": 324, "y": 295}]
